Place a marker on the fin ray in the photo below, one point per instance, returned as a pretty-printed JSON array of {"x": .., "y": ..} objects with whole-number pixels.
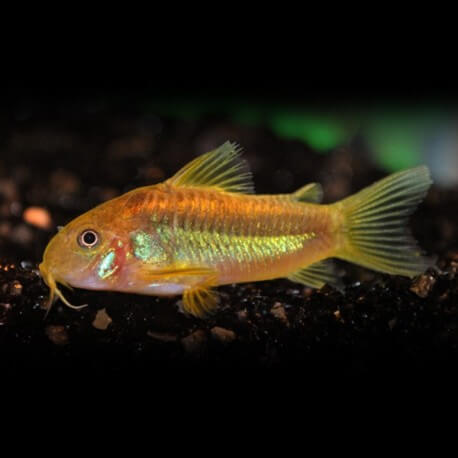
[
  {"x": 317, "y": 275},
  {"x": 312, "y": 192},
  {"x": 200, "y": 301},
  {"x": 223, "y": 169},
  {"x": 375, "y": 224}
]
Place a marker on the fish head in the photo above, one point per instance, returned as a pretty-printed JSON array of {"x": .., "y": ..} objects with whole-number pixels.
[{"x": 86, "y": 253}]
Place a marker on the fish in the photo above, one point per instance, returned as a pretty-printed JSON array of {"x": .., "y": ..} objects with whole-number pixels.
[{"x": 205, "y": 227}]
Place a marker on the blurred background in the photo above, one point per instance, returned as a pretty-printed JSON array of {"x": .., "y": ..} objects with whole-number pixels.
[
  {"x": 64, "y": 151},
  {"x": 394, "y": 136}
]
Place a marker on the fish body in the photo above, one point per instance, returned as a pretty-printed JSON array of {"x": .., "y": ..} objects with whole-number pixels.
[
  {"x": 204, "y": 227},
  {"x": 241, "y": 237}
]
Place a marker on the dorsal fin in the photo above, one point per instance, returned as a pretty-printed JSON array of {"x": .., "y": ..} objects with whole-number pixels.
[
  {"x": 222, "y": 168},
  {"x": 312, "y": 192}
]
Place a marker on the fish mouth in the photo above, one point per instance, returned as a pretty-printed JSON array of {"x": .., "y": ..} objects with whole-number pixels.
[{"x": 54, "y": 292}]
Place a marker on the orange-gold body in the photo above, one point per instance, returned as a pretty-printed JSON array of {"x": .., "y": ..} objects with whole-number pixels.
[
  {"x": 203, "y": 228},
  {"x": 242, "y": 237}
]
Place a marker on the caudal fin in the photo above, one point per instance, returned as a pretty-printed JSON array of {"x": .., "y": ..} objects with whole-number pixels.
[{"x": 375, "y": 224}]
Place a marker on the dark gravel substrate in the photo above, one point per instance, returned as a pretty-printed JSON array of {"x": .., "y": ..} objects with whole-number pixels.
[{"x": 69, "y": 161}]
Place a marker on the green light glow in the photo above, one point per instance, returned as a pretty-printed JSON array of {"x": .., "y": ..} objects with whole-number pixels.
[
  {"x": 397, "y": 139},
  {"x": 248, "y": 116},
  {"x": 396, "y": 150},
  {"x": 320, "y": 132}
]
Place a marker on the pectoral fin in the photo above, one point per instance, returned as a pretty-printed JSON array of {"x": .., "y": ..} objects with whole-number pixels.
[
  {"x": 150, "y": 274},
  {"x": 199, "y": 299}
]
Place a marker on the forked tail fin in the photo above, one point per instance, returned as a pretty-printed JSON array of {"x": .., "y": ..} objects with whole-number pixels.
[{"x": 375, "y": 232}]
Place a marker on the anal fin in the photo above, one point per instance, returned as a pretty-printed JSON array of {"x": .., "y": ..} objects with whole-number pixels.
[{"x": 317, "y": 275}]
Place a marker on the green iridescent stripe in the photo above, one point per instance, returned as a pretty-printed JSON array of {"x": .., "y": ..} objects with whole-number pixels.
[
  {"x": 207, "y": 246},
  {"x": 213, "y": 247},
  {"x": 147, "y": 248}
]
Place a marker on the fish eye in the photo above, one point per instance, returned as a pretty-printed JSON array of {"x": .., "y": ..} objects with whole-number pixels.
[{"x": 88, "y": 238}]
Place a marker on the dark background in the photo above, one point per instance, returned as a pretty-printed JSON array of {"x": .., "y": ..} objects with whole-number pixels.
[{"x": 65, "y": 150}]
